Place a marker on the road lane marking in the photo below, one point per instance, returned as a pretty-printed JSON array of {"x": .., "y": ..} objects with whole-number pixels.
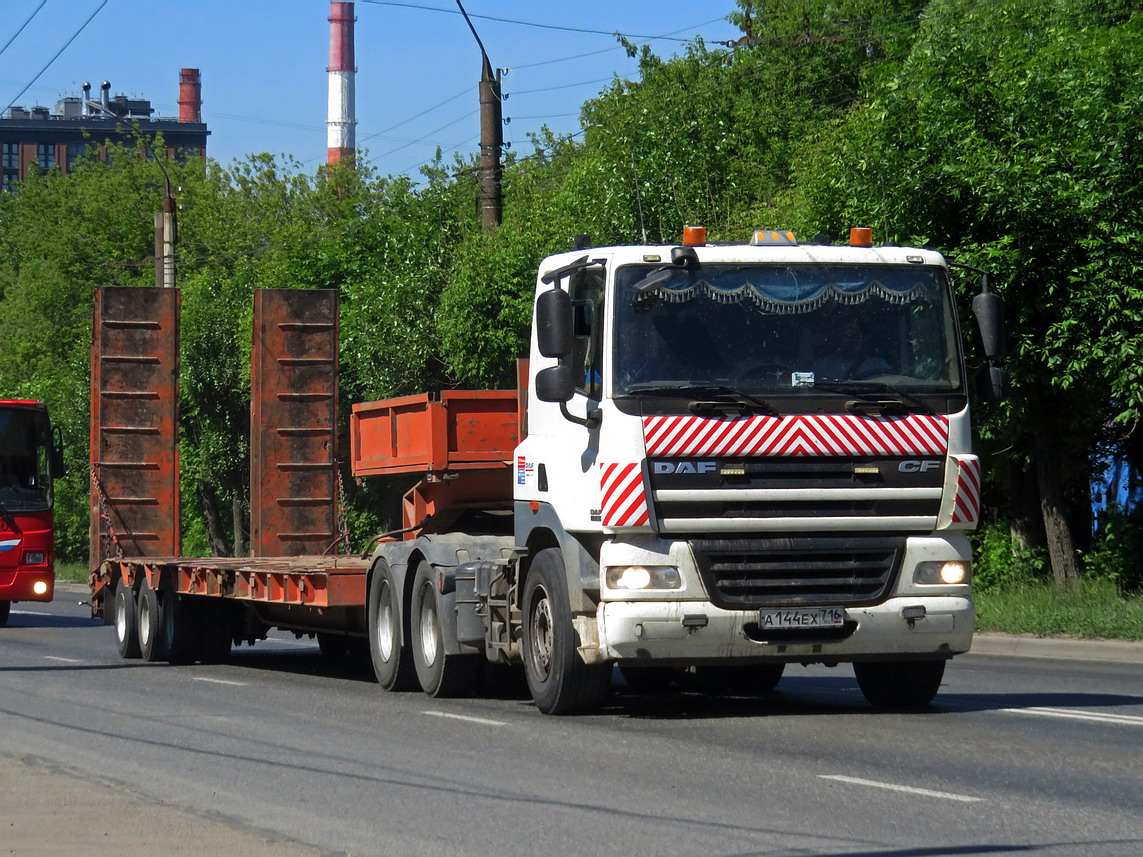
[
  {"x": 1074, "y": 714},
  {"x": 63, "y": 660},
  {"x": 896, "y": 788},
  {"x": 219, "y": 681},
  {"x": 30, "y": 613},
  {"x": 466, "y": 718}
]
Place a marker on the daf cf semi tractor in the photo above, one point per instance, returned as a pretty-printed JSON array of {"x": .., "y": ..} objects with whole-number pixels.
[{"x": 722, "y": 459}]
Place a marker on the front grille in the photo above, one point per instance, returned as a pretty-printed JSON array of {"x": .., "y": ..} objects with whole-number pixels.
[
  {"x": 751, "y": 573},
  {"x": 796, "y": 494}
]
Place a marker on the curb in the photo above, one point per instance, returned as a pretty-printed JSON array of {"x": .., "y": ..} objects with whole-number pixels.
[{"x": 1059, "y": 648}]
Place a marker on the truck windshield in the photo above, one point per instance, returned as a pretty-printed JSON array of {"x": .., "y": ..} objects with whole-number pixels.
[
  {"x": 25, "y": 473},
  {"x": 785, "y": 329}
]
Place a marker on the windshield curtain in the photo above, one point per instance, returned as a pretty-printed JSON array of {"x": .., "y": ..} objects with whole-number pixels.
[
  {"x": 25, "y": 471},
  {"x": 785, "y": 328}
]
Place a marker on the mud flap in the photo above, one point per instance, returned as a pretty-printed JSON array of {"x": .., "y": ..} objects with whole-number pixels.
[{"x": 587, "y": 631}]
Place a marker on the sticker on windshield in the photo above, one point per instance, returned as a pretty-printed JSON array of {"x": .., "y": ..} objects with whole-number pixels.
[{"x": 801, "y": 379}]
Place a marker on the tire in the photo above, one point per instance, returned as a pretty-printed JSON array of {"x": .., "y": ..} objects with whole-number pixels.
[
  {"x": 440, "y": 674},
  {"x": 149, "y": 624},
  {"x": 126, "y": 622},
  {"x": 392, "y": 661},
  {"x": 5, "y": 612},
  {"x": 899, "y": 685},
  {"x": 180, "y": 628},
  {"x": 558, "y": 679}
]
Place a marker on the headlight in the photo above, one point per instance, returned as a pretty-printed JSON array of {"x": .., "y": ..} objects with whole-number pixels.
[
  {"x": 643, "y": 577},
  {"x": 40, "y": 587},
  {"x": 35, "y": 557},
  {"x": 943, "y": 573}
]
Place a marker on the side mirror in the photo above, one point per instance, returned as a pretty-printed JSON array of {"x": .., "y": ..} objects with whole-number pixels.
[
  {"x": 992, "y": 385},
  {"x": 555, "y": 384},
  {"x": 554, "y": 325},
  {"x": 56, "y": 464},
  {"x": 988, "y": 310}
]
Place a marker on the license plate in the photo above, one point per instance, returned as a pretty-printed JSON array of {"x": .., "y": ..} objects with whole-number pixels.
[{"x": 818, "y": 617}]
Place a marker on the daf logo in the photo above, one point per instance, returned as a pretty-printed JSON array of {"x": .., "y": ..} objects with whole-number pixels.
[
  {"x": 669, "y": 467},
  {"x": 914, "y": 466}
]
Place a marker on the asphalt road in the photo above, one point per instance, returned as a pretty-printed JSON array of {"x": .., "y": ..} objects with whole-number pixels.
[{"x": 1017, "y": 756}]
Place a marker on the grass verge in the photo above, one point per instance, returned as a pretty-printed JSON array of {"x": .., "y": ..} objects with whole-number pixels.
[
  {"x": 75, "y": 571},
  {"x": 1098, "y": 611}
]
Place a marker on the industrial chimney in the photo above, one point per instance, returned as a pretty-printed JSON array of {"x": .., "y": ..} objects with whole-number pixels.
[
  {"x": 340, "y": 123},
  {"x": 190, "y": 96}
]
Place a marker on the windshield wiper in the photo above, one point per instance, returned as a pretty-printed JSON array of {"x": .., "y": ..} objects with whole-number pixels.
[
  {"x": 722, "y": 396},
  {"x": 904, "y": 403}
]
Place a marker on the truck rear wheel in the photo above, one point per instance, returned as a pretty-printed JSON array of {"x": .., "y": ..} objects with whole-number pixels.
[
  {"x": 899, "y": 684},
  {"x": 559, "y": 680},
  {"x": 392, "y": 662},
  {"x": 149, "y": 617},
  {"x": 440, "y": 674},
  {"x": 126, "y": 622}
]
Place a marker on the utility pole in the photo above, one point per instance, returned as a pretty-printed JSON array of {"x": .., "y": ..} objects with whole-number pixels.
[
  {"x": 165, "y": 235},
  {"x": 491, "y": 138}
]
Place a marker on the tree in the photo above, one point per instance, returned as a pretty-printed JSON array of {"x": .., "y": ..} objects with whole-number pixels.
[{"x": 960, "y": 146}]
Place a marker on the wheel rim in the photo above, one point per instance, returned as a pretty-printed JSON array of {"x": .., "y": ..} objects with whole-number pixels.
[
  {"x": 120, "y": 617},
  {"x": 540, "y": 633},
  {"x": 145, "y": 621},
  {"x": 386, "y": 631},
  {"x": 428, "y": 622}
]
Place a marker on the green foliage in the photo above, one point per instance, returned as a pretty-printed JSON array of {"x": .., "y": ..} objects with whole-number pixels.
[
  {"x": 999, "y": 563},
  {"x": 937, "y": 123},
  {"x": 1117, "y": 556}
]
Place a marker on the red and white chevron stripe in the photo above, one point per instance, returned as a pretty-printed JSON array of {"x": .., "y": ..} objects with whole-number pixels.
[
  {"x": 966, "y": 506},
  {"x": 624, "y": 497},
  {"x": 796, "y": 435}
]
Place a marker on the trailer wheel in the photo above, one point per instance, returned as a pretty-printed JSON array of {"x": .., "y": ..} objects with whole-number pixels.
[
  {"x": 126, "y": 622},
  {"x": 559, "y": 680},
  {"x": 440, "y": 674},
  {"x": 5, "y": 611},
  {"x": 392, "y": 662},
  {"x": 180, "y": 628},
  {"x": 899, "y": 685},
  {"x": 149, "y": 622}
]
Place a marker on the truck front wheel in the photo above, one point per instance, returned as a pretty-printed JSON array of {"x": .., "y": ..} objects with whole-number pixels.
[
  {"x": 440, "y": 674},
  {"x": 392, "y": 662},
  {"x": 5, "y": 611},
  {"x": 559, "y": 680},
  {"x": 899, "y": 684}
]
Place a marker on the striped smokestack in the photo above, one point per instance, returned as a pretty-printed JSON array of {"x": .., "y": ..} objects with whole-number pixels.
[{"x": 340, "y": 121}]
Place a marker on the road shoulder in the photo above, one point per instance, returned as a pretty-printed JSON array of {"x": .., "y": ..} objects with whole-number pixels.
[{"x": 49, "y": 811}]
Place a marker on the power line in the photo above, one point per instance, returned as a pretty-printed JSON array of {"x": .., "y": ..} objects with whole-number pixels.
[
  {"x": 22, "y": 26},
  {"x": 519, "y": 23},
  {"x": 67, "y": 44}
]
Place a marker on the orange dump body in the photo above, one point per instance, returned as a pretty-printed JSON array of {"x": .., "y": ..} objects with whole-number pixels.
[{"x": 462, "y": 441}]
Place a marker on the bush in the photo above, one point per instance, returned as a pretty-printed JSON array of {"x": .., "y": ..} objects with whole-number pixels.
[
  {"x": 1116, "y": 556},
  {"x": 999, "y": 563}
]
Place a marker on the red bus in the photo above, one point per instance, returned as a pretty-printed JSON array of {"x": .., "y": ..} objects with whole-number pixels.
[{"x": 30, "y": 458}]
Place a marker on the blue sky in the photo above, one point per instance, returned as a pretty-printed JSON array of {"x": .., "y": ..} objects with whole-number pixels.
[{"x": 264, "y": 64}]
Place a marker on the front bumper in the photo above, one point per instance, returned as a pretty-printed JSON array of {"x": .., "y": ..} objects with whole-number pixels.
[
  {"x": 695, "y": 631},
  {"x": 21, "y": 585}
]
